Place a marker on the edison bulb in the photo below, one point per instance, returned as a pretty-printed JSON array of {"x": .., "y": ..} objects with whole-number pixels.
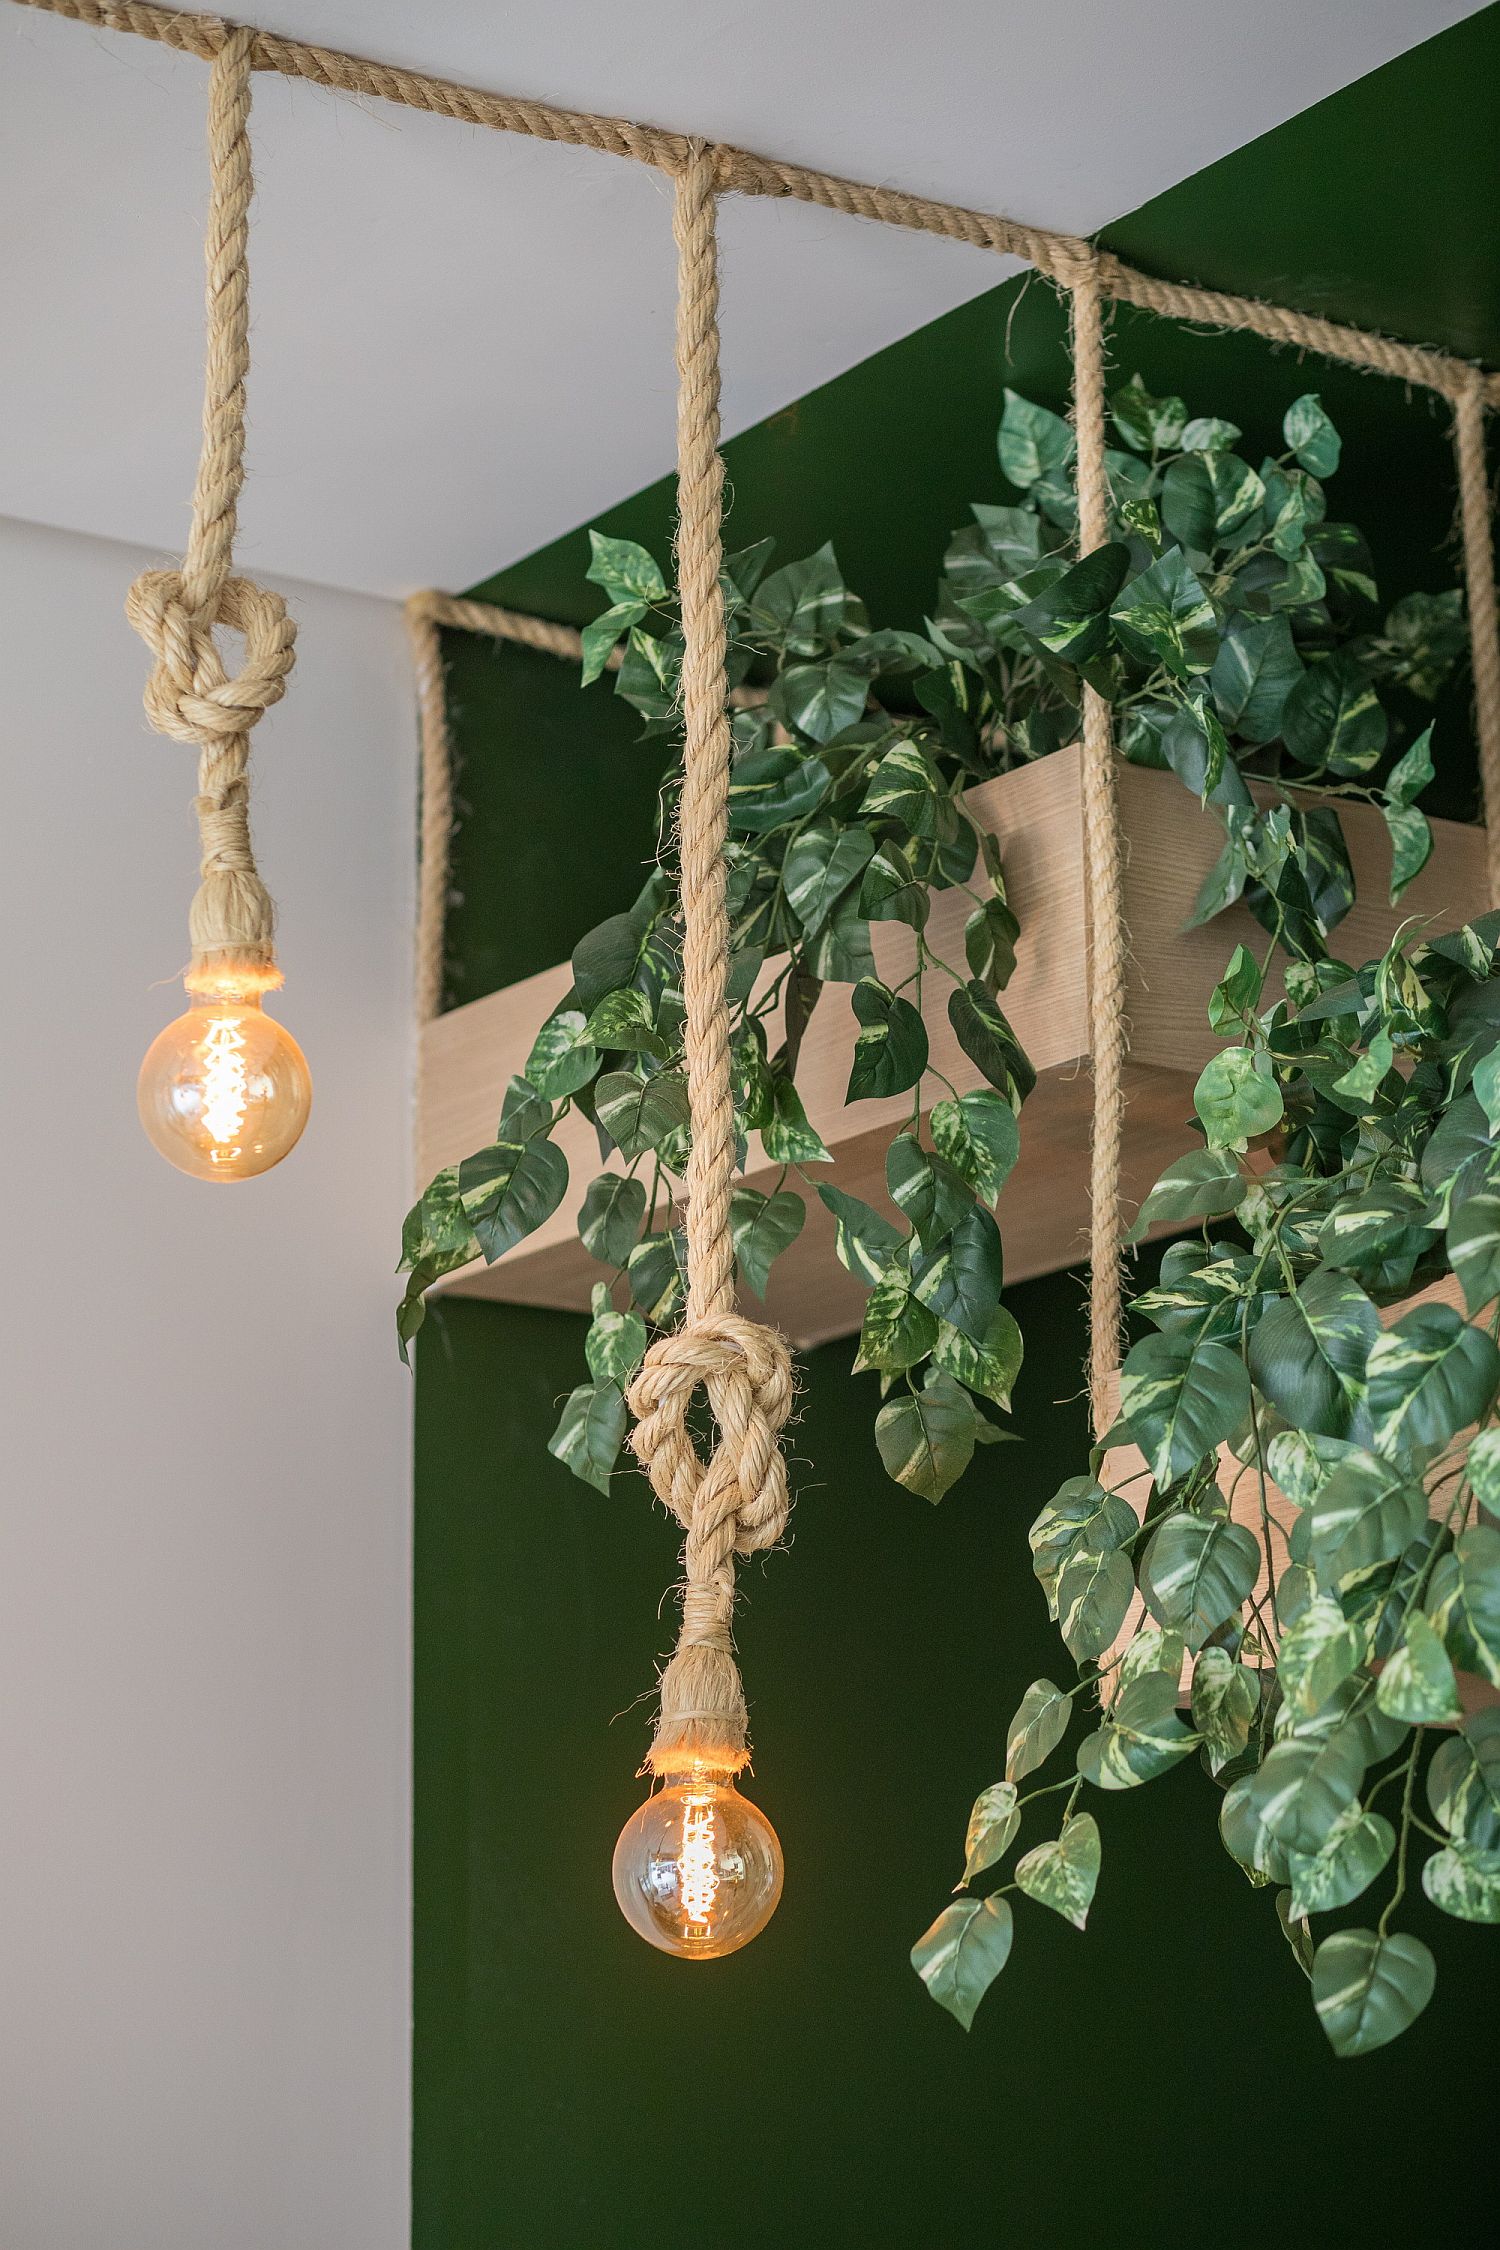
[
  {"x": 224, "y": 1091},
  {"x": 697, "y": 1870}
]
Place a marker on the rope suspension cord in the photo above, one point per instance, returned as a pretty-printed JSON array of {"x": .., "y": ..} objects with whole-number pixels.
[
  {"x": 1103, "y": 856},
  {"x": 1475, "y": 514},
  {"x": 736, "y": 1502},
  {"x": 190, "y": 695}
]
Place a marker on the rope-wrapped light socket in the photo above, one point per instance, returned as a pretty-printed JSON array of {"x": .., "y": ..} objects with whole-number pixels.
[
  {"x": 698, "y": 1870},
  {"x": 224, "y": 1092}
]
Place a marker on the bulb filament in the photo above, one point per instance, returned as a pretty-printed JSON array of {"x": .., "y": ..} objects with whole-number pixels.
[
  {"x": 226, "y": 1092},
  {"x": 698, "y": 1876}
]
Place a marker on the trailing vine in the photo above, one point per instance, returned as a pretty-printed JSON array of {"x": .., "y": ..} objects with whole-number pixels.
[{"x": 1237, "y": 632}]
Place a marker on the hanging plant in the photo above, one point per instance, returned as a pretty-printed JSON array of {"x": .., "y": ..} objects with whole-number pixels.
[
  {"x": 1237, "y": 633},
  {"x": 1310, "y": 1536}
]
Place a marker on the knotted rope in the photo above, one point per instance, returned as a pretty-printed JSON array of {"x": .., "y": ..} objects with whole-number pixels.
[
  {"x": 191, "y": 695},
  {"x": 736, "y": 1501},
  {"x": 1104, "y": 887}
]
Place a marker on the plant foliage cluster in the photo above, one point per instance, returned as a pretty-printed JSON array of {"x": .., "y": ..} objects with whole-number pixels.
[{"x": 1237, "y": 632}]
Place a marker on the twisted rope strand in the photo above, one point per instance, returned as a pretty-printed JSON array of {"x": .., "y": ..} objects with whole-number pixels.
[
  {"x": 1104, "y": 877},
  {"x": 190, "y": 695},
  {"x": 1484, "y": 632},
  {"x": 736, "y": 1503}
]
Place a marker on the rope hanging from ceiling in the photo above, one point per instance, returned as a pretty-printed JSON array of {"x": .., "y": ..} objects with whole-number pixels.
[
  {"x": 190, "y": 694},
  {"x": 735, "y": 1502}
]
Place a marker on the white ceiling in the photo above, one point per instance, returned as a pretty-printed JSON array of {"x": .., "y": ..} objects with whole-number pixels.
[{"x": 463, "y": 340}]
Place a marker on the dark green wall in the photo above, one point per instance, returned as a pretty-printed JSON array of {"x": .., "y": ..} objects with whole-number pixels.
[{"x": 1116, "y": 2085}]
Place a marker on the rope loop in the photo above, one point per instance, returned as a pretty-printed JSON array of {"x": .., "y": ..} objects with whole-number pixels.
[
  {"x": 190, "y": 694},
  {"x": 736, "y": 1501}
]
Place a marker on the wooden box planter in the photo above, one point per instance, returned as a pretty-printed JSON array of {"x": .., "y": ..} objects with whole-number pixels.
[
  {"x": 1171, "y": 842},
  {"x": 1125, "y": 1472}
]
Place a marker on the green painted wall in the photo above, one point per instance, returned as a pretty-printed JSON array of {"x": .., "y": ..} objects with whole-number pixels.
[{"x": 559, "y": 2063}]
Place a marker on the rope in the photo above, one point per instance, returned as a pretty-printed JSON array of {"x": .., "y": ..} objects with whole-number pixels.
[
  {"x": 1104, "y": 879},
  {"x": 1484, "y": 634},
  {"x": 736, "y": 1502},
  {"x": 747, "y": 173},
  {"x": 190, "y": 695}
]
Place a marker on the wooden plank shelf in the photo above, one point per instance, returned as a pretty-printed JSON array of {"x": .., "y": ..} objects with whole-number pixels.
[{"x": 467, "y": 1055}]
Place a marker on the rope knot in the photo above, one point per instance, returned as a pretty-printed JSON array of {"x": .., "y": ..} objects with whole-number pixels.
[
  {"x": 735, "y": 1503},
  {"x": 1072, "y": 262},
  {"x": 190, "y": 694}
]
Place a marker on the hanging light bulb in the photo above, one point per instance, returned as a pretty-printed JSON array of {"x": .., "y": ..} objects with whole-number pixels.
[
  {"x": 697, "y": 1870},
  {"x": 224, "y": 1092}
]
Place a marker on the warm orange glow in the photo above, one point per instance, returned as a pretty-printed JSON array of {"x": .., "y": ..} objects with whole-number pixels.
[
  {"x": 224, "y": 1091},
  {"x": 698, "y": 1877},
  {"x": 697, "y": 1870}
]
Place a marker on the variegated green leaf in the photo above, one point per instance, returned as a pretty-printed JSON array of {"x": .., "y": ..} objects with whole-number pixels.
[
  {"x": 959, "y": 1958},
  {"x": 1197, "y": 1572},
  {"x": 1237, "y": 1097},
  {"x": 989, "y": 1369},
  {"x": 561, "y": 1058},
  {"x": 609, "y": 1221},
  {"x": 1368, "y": 1989},
  {"x": 1205, "y": 1184},
  {"x": 1181, "y": 1400},
  {"x": 1357, "y": 1848},
  {"x": 926, "y": 1440},
  {"x": 1163, "y": 616},
  {"x": 1482, "y": 1467},
  {"x": 979, "y": 1136},
  {"x": 1429, "y": 1377},
  {"x": 897, "y": 1332},
  {"x": 1226, "y": 1698},
  {"x": 639, "y": 1113},
  {"x": 1149, "y": 1649},
  {"x": 865, "y": 1242},
  {"x": 1464, "y": 1882},
  {"x": 616, "y": 1342},
  {"x": 1463, "y": 1601},
  {"x": 1317, "y": 1653},
  {"x": 1309, "y": 1352},
  {"x": 960, "y": 1280},
  {"x": 1416, "y": 1682},
  {"x": 1463, "y": 1781},
  {"x": 1364, "y": 1513},
  {"x": 992, "y": 1824},
  {"x": 1040, "y": 1722},
  {"x": 1303, "y": 1788},
  {"x": 763, "y": 1226},
  {"x": 590, "y": 1433},
  {"x": 1081, "y": 1514},
  {"x": 1474, "y": 1249},
  {"x": 1141, "y": 1738},
  {"x": 1311, "y": 436},
  {"x": 1064, "y": 1874},
  {"x": 1248, "y": 1840},
  {"x": 1333, "y": 719},
  {"x": 1094, "y": 1590}
]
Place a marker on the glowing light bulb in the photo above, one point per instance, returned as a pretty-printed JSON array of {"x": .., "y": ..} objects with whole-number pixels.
[
  {"x": 697, "y": 1870},
  {"x": 224, "y": 1091}
]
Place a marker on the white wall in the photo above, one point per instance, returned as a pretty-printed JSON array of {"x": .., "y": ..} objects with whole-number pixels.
[{"x": 204, "y": 1497}]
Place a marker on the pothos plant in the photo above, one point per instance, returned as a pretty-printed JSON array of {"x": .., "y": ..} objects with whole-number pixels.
[
  {"x": 1237, "y": 633},
  {"x": 1321, "y": 1628}
]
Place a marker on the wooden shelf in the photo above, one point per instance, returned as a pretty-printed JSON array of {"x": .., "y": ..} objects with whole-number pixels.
[{"x": 467, "y": 1056}]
